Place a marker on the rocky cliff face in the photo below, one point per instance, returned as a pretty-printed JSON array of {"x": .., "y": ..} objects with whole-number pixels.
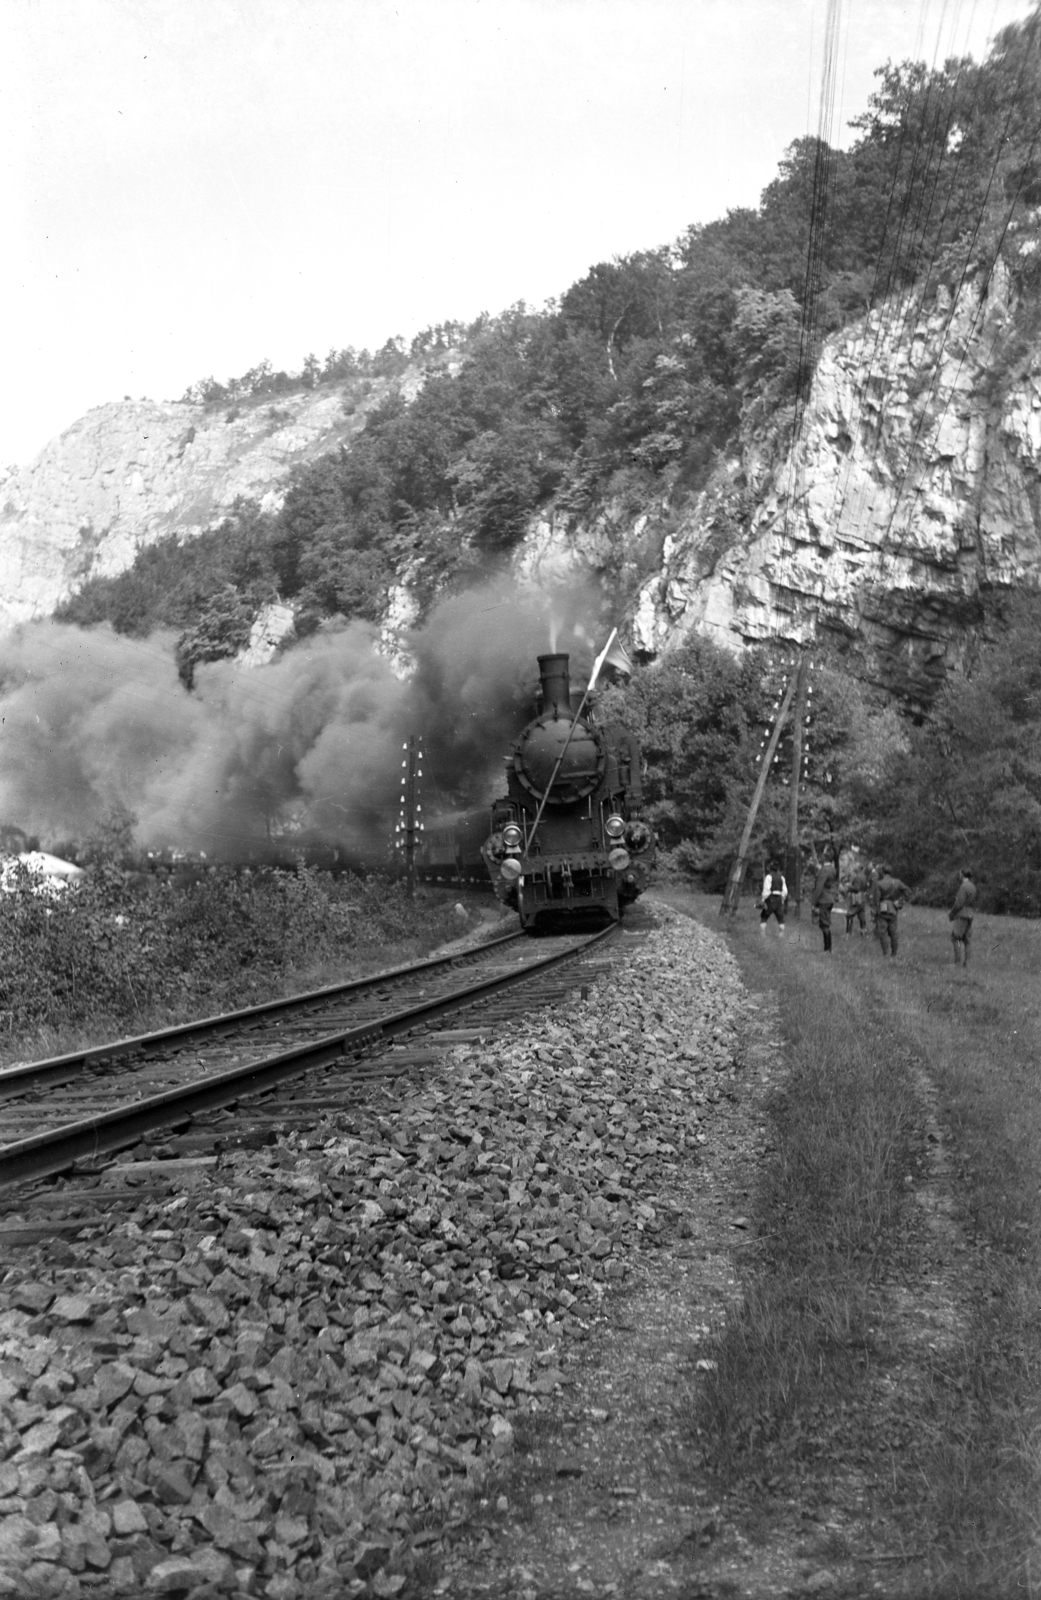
[
  {"x": 912, "y": 500},
  {"x": 126, "y": 474},
  {"x": 911, "y": 503}
]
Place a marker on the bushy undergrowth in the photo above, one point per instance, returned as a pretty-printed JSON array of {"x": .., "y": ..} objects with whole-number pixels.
[{"x": 118, "y": 948}]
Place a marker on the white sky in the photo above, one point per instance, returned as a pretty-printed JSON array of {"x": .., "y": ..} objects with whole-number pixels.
[{"x": 193, "y": 185}]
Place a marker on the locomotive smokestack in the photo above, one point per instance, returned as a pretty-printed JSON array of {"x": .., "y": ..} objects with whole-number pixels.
[{"x": 556, "y": 684}]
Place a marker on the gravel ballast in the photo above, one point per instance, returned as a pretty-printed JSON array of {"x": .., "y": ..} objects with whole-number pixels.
[{"x": 288, "y": 1380}]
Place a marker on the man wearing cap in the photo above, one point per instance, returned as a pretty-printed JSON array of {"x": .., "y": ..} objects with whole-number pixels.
[
  {"x": 960, "y": 917},
  {"x": 888, "y": 895},
  {"x": 824, "y": 897}
]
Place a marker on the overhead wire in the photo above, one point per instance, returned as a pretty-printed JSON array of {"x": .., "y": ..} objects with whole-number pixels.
[
  {"x": 968, "y": 263},
  {"x": 953, "y": 387},
  {"x": 939, "y": 143},
  {"x": 931, "y": 146},
  {"x": 815, "y": 257},
  {"x": 884, "y": 318},
  {"x": 888, "y": 325},
  {"x": 817, "y": 244}
]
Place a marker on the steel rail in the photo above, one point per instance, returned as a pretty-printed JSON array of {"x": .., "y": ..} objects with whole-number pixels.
[
  {"x": 61, "y": 1069},
  {"x": 41, "y": 1155}
]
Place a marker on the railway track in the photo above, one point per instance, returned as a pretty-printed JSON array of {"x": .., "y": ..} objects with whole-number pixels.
[{"x": 238, "y": 1076}]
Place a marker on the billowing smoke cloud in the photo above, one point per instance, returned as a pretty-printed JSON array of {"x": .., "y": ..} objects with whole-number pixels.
[
  {"x": 92, "y": 720},
  {"x": 477, "y": 671},
  {"x": 87, "y": 721}
]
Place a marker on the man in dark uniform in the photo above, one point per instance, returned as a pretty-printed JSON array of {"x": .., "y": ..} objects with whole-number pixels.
[
  {"x": 888, "y": 896},
  {"x": 873, "y": 875},
  {"x": 960, "y": 917},
  {"x": 824, "y": 896},
  {"x": 857, "y": 892}
]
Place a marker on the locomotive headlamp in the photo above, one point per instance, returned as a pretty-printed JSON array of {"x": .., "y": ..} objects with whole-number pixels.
[
  {"x": 619, "y": 859},
  {"x": 511, "y": 836},
  {"x": 615, "y": 826}
]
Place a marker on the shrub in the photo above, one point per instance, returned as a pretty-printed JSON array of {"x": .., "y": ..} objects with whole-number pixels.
[{"x": 121, "y": 943}]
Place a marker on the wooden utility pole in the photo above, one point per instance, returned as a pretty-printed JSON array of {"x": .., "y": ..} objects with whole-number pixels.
[
  {"x": 793, "y": 864},
  {"x": 737, "y": 871}
]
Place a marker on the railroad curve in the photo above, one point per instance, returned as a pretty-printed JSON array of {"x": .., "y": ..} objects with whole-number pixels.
[{"x": 60, "y": 1110}]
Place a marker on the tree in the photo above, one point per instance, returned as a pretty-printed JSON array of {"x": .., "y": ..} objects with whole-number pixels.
[
  {"x": 172, "y": 581},
  {"x": 336, "y": 578},
  {"x": 620, "y": 300},
  {"x": 765, "y": 343},
  {"x": 696, "y": 714},
  {"x": 221, "y": 630},
  {"x": 972, "y": 788}
]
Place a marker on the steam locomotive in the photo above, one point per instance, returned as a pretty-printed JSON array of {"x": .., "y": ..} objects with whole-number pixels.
[{"x": 567, "y": 841}]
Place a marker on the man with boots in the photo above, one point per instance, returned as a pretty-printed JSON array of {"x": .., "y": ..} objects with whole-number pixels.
[
  {"x": 824, "y": 896},
  {"x": 888, "y": 896},
  {"x": 774, "y": 898},
  {"x": 960, "y": 917}
]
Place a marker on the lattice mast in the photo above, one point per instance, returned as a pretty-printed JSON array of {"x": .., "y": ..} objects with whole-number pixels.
[{"x": 410, "y": 813}]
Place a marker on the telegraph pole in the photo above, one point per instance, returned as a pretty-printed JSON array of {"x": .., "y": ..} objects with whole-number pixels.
[
  {"x": 737, "y": 871},
  {"x": 793, "y": 865}
]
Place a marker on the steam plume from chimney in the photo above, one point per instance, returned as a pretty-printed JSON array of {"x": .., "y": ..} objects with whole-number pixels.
[{"x": 92, "y": 720}]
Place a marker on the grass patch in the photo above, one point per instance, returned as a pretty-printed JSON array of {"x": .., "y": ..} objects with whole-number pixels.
[
  {"x": 980, "y": 1032},
  {"x": 844, "y": 1128},
  {"x": 870, "y": 1340}
]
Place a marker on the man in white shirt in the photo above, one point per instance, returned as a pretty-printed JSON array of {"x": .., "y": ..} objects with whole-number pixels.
[{"x": 774, "y": 898}]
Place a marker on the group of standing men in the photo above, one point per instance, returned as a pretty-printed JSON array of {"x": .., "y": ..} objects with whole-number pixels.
[{"x": 878, "y": 890}]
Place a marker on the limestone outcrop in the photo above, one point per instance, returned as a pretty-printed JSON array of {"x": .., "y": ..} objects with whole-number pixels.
[
  {"x": 912, "y": 500},
  {"x": 126, "y": 474},
  {"x": 272, "y": 630}
]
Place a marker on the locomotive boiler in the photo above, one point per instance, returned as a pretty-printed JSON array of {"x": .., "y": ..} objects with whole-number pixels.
[{"x": 568, "y": 842}]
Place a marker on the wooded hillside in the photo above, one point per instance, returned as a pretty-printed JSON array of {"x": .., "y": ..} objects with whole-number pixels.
[
  {"x": 630, "y": 385},
  {"x": 626, "y": 391}
]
